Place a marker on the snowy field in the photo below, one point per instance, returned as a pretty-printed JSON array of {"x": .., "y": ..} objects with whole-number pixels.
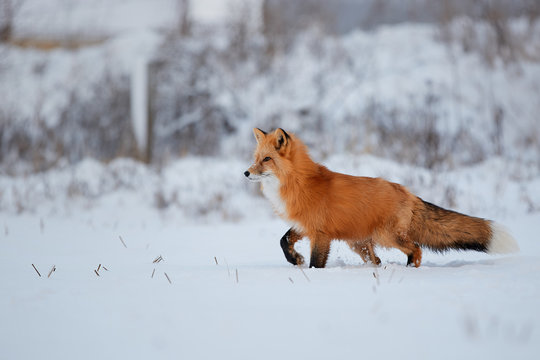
[{"x": 252, "y": 303}]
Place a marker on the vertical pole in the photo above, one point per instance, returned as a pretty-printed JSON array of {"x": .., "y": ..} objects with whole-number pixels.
[
  {"x": 149, "y": 117},
  {"x": 141, "y": 110}
]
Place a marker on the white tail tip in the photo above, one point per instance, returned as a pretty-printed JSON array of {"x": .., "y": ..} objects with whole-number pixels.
[{"x": 501, "y": 241}]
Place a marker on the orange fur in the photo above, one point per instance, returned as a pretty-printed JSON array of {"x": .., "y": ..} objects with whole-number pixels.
[{"x": 325, "y": 205}]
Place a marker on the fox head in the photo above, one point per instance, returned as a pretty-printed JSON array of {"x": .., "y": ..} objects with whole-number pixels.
[{"x": 271, "y": 154}]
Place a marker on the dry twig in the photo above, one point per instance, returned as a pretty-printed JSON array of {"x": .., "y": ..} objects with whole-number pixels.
[
  {"x": 376, "y": 276},
  {"x": 36, "y": 270},
  {"x": 304, "y": 274},
  {"x": 53, "y": 269},
  {"x": 167, "y": 276},
  {"x": 123, "y": 243}
]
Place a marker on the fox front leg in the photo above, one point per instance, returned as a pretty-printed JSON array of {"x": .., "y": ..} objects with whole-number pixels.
[{"x": 287, "y": 244}]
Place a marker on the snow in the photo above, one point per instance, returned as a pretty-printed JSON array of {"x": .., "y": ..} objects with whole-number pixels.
[
  {"x": 459, "y": 304},
  {"x": 483, "y": 306}
]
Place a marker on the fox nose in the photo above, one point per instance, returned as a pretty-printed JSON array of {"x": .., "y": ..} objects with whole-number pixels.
[{"x": 246, "y": 173}]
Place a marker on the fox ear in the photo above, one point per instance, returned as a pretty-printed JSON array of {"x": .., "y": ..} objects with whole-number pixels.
[
  {"x": 282, "y": 139},
  {"x": 259, "y": 134}
]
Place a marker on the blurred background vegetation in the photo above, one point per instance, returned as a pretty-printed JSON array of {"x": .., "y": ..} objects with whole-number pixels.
[{"x": 292, "y": 64}]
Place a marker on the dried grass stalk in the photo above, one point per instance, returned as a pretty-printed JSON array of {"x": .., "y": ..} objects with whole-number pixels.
[
  {"x": 304, "y": 274},
  {"x": 36, "y": 270},
  {"x": 167, "y": 276},
  {"x": 123, "y": 243},
  {"x": 53, "y": 269}
]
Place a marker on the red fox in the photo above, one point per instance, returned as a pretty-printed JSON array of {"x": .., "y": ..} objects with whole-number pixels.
[{"x": 324, "y": 205}]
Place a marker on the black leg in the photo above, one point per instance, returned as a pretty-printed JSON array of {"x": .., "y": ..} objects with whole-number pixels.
[{"x": 287, "y": 245}]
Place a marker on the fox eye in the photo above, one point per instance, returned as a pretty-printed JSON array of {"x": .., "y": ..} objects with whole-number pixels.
[{"x": 267, "y": 159}]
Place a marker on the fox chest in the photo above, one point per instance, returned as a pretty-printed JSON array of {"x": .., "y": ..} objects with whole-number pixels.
[{"x": 271, "y": 190}]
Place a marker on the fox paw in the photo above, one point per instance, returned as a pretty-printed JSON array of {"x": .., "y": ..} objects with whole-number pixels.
[
  {"x": 413, "y": 261},
  {"x": 299, "y": 259},
  {"x": 294, "y": 258},
  {"x": 415, "y": 258}
]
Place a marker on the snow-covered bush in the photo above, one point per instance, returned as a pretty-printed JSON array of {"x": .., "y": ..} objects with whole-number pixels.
[
  {"x": 94, "y": 123},
  {"x": 188, "y": 119},
  {"x": 97, "y": 124},
  {"x": 402, "y": 92}
]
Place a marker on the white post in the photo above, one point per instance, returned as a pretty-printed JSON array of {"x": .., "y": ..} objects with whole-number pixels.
[{"x": 140, "y": 102}]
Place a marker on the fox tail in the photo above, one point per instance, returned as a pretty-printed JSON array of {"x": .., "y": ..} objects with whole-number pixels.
[{"x": 439, "y": 229}]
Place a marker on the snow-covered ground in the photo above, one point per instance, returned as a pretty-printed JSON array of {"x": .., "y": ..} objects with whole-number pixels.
[
  {"x": 252, "y": 303},
  {"x": 459, "y": 305}
]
